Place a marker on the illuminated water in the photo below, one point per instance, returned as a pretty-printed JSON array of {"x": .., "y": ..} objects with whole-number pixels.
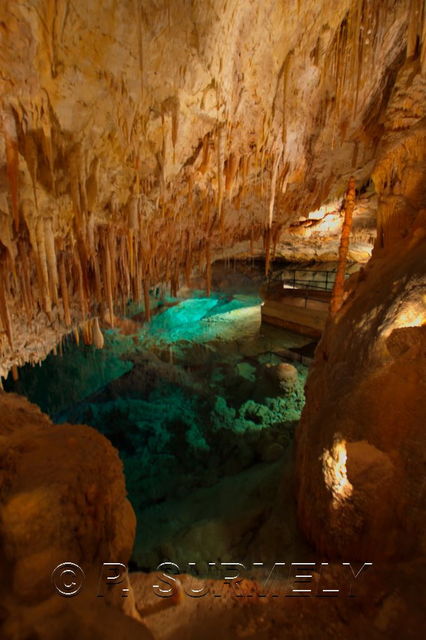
[{"x": 192, "y": 402}]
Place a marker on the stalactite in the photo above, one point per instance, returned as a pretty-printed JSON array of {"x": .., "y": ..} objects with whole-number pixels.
[
  {"x": 208, "y": 268},
  {"x": 86, "y": 328},
  {"x": 267, "y": 242},
  {"x": 82, "y": 294},
  {"x": 220, "y": 159},
  {"x": 31, "y": 158},
  {"x": 133, "y": 224},
  {"x": 51, "y": 259},
  {"x": 190, "y": 188},
  {"x": 4, "y": 308},
  {"x": 339, "y": 284},
  {"x": 423, "y": 44},
  {"x": 175, "y": 127},
  {"x": 12, "y": 161},
  {"x": 91, "y": 244},
  {"x": 125, "y": 280},
  {"x": 276, "y": 234},
  {"x": 112, "y": 245},
  {"x": 97, "y": 279},
  {"x": 245, "y": 167},
  {"x": 108, "y": 278},
  {"x": 174, "y": 283},
  {"x": 92, "y": 185},
  {"x": 137, "y": 281},
  {"x": 188, "y": 259},
  {"x": 41, "y": 250},
  {"x": 206, "y": 155},
  {"x": 47, "y": 143},
  {"x": 25, "y": 279},
  {"x": 64, "y": 290},
  {"x": 274, "y": 183},
  {"x": 146, "y": 298},
  {"x": 74, "y": 164},
  {"x": 231, "y": 171},
  {"x": 286, "y": 72},
  {"x": 415, "y": 24},
  {"x": 82, "y": 251}
]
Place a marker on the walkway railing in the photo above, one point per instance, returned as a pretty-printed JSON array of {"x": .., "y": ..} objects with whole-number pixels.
[{"x": 321, "y": 280}]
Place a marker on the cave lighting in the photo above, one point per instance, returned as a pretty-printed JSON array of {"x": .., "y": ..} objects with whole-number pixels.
[{"x": 335, "y": 473}]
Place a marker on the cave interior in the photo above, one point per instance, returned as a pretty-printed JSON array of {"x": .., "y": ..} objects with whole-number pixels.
[{"x": 212, "y": 319}]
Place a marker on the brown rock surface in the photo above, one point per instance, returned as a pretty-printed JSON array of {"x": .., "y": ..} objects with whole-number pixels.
[
  {"x": 361, "y": 440},
  {"x": 62, "y": 499}
]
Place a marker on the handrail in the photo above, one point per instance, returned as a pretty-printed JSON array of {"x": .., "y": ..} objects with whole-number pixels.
[{"x": 319, "y": 283}]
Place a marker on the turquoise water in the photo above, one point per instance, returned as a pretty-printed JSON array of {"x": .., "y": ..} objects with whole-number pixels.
[{"x": 188, "y": 400}]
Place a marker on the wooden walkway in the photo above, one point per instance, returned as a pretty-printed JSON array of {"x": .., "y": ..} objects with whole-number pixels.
[{"x": 302, "y": 310}]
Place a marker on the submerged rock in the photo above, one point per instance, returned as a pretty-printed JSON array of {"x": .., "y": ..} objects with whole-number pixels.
[{"x": 287, "y": 375}]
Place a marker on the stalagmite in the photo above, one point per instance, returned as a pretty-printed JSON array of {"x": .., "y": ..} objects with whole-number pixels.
[
  {"x": 98, "y": 337},
  {"x": 339, "y": 284}
]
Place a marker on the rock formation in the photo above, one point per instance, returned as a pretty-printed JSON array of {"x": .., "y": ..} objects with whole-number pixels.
[
  {"x": 62, "y": 500},
  {"x": 140, "y": 140},
  {"x": 361, "y": 439}
]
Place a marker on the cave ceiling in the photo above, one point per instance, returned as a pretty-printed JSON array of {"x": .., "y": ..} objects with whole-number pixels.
[{"x": 141, "y": 139}]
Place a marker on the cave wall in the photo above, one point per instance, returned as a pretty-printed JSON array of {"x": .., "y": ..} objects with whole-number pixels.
[
  {"x": 361, "y": 441},
  {"x": 141, "y": 140}
]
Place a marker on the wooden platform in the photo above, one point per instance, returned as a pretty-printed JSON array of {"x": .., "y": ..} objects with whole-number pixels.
[{"x": 303, "y": 311}]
